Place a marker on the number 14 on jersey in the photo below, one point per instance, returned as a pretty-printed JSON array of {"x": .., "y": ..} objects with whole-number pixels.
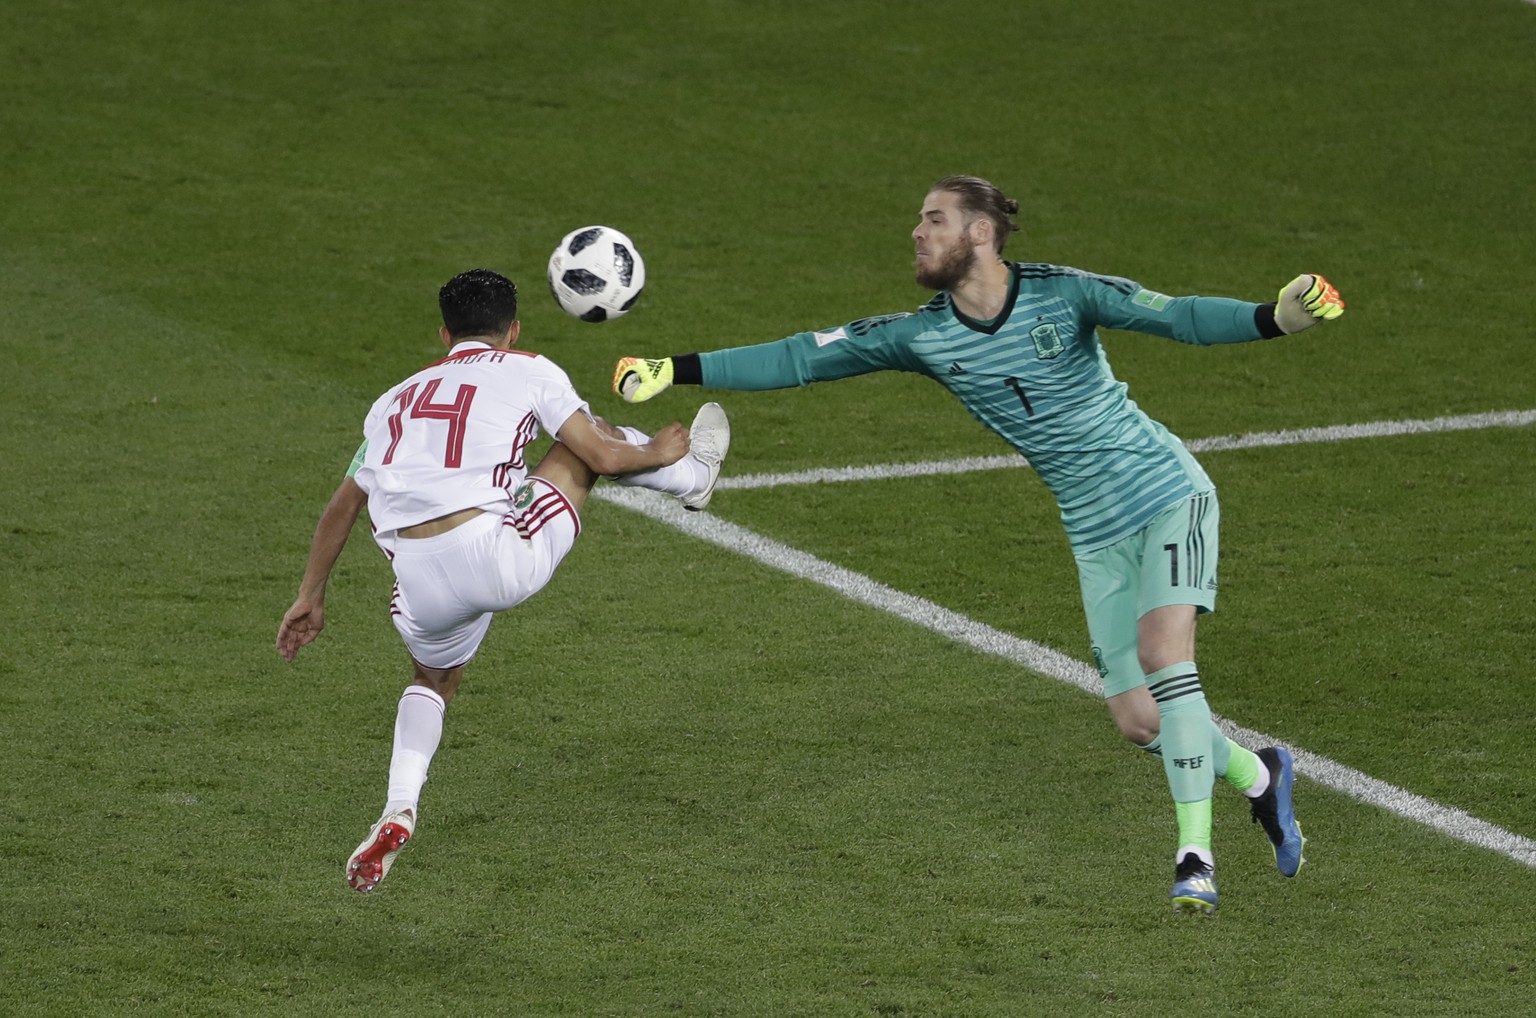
[{"x": 422, "y": 407}]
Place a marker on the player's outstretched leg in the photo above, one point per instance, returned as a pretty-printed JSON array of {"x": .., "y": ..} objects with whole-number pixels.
[
  {"x": 709, "y": 439},
  {"x": 1274, "y": 812},
  {"x": 371, "y": 862},
  {"x": 1194, "y": 885},
  {"x": 691, "y": 479}
]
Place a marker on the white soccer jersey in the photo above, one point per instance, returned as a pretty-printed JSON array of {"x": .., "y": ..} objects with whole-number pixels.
[{"x": 452, "y": 435}]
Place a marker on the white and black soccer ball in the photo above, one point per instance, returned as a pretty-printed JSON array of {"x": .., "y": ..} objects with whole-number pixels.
[{"x": 596, "y": 273}]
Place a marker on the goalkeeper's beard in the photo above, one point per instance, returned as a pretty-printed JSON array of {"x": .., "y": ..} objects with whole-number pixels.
[{"x": 951, "y": 271}]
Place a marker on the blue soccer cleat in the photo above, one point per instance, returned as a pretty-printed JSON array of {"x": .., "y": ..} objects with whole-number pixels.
[
  {"x": 1273, "y": 811},
  {"x": 1194, "y": 885}
]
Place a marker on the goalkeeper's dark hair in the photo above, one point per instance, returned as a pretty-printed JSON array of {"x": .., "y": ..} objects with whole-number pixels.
[
  {"x": 478, "y": 303},
  {"x": 981, "y": 199}
]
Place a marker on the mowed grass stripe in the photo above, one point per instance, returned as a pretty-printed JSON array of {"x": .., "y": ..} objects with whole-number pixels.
[
  {"x": 1053, "y": 664},
  {"x": 1255, "y": 440}
]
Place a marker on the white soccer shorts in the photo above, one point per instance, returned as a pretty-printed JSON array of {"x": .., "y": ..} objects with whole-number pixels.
[{"x": 448, "y": 587}]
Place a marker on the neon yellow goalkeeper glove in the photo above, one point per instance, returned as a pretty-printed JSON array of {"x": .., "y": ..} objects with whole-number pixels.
[
  {"x": 637, "y": 380},
  {"x": 1306, "y": 300}
]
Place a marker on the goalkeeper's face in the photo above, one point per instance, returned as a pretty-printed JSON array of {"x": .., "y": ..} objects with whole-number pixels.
[{"x": 945, "y": 249}]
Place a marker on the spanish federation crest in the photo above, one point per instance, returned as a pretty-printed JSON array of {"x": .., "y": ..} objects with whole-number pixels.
[{"x": 1047, "y": 341}]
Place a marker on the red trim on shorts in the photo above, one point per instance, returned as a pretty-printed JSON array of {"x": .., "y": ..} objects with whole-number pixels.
[
  {"x": 541, "y": 510},
  {"x": 387, "y": 553}
]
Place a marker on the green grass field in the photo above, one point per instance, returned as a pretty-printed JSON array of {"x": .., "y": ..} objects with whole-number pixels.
[{"x": 680, "y": 782}]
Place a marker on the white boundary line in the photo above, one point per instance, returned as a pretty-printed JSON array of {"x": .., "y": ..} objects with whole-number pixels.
[
  {"x": 1260, "y": 439},
  {"x": 1052, "y": 663}
]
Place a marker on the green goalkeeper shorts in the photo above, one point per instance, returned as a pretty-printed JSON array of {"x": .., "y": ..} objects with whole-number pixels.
[{"x": 1171, "y": 560}]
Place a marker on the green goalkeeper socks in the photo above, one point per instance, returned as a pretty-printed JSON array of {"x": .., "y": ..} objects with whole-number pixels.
[
  {"x": 1195, "y": 751},
  {"x": 1186, "y": 738},
  {"x": 1243, "y": 767},
  {"x": 1194, "y": 825},
  {"x": 1234, "y": 764}
]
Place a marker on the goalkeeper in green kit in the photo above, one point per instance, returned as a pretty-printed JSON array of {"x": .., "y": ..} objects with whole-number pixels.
[{"x": 1015, "y": 342}]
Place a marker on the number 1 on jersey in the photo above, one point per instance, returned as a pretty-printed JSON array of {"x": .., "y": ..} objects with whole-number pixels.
[
  {"x": 1018, "y": 388},
  {"x": 422, "y": 407}
]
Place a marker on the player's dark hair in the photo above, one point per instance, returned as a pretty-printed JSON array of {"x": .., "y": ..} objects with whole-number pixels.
[
  {"x": 982, "y": 198},
  {"x": 478, "y": 303}
]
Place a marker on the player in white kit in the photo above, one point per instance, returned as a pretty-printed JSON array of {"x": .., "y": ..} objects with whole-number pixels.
[{"x": 469, "y": 530}]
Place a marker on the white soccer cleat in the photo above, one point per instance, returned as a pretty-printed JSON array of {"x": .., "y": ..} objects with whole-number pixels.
[
  {"x": 371, "y": 862},
  {"x": 709, "y": 439}
]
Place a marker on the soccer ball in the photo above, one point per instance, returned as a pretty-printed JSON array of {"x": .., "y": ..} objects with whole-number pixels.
[{"x": 596, "y": 274}]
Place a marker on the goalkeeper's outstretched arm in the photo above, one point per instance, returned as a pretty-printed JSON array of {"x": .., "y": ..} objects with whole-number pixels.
[
  {"x": 858, "y": 348},
  {"x": 884, "y": 344}
]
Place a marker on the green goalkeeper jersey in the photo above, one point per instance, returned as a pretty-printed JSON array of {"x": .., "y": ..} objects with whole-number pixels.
[{"x": 1036, "y": 375}]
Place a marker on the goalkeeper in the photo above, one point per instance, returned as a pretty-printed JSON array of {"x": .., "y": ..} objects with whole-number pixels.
[{"x": 1016, "y": 343}]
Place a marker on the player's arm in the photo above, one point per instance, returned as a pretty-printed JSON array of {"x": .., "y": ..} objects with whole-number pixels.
[
  {"x": 603, "y": 447},
  {"x": 870, "y": 344},
  {"x": 303, "y": 622},
  {"x": 1120, "y": 304}
]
